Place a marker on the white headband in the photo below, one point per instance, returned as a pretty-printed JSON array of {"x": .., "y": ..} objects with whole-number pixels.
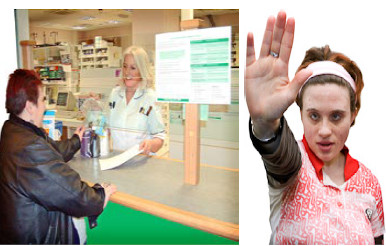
[{"x": 329, "y": 67}]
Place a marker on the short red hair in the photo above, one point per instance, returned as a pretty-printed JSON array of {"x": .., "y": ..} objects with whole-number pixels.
[{"x": 23, "y": 86}]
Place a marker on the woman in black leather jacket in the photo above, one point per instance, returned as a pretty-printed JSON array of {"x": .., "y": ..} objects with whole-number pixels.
[{"x": 39, "y": 193}]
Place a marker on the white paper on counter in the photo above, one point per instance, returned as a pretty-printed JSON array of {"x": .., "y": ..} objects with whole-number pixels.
[{"x": 119, "y": 159}]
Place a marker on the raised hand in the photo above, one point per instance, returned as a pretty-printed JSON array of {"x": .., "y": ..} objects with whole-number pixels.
[{"x": 268, "y": 90}]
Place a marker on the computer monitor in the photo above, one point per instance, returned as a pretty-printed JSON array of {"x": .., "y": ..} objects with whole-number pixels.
[{"x": 65, "y": 101}]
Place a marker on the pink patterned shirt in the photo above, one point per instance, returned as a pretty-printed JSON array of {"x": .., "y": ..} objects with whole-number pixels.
[{"x": 311, "y": 209}]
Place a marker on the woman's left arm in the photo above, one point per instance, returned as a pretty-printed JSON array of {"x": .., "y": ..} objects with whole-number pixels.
[
  {"x": 379, "y": 240},
  {"x": 67, "y": 148},
  {"x": 156, "y": 128},
  {"x": 377, "y": 218}
]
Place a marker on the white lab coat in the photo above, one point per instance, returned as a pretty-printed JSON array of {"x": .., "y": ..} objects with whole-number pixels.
[{"x": 133, "y": 122}]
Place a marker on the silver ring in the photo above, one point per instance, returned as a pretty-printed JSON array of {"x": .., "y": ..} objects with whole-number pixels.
[{"x": 275, "y": 55}]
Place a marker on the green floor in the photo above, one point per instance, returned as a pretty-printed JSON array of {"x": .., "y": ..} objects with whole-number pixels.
[{"x": 121, "y": 225}]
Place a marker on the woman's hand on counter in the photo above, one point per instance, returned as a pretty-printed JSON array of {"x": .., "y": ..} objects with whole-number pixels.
[
  {"x": 151, "y": 145},
  {"x": 80, "y": 131},
  {"x": 146, "y": 146},
  {"x": 109, "y": 190}
]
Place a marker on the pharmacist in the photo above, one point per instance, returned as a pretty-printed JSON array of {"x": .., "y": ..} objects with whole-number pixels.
[{"x": 134, "y": 117}]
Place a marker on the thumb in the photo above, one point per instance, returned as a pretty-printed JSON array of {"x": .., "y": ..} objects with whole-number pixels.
[
  {"x": 142, "y": 145},
  {"x": 299, "y": 80}
]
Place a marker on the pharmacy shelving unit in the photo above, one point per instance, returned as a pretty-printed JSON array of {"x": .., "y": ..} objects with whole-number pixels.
[
  {"x": 100, "y": 56},
  {"x": 55, "y": 74}
]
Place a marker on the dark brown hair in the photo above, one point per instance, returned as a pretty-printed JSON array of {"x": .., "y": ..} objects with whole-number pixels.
[
  {"x": 325, "y": 54},
  {"x": 23, "y": 85}
]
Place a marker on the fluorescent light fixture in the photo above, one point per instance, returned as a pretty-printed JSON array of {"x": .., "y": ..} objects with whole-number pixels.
[
  {"x": 78, "y": 27},
  {"x": 113, "y": 22}
]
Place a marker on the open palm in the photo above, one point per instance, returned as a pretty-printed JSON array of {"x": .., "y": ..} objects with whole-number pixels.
[{"x": 268, "y": 90}]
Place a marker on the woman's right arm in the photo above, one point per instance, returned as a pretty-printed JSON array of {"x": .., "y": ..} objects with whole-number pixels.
[
  {"x": 269, "y": 93},
  {"x": 55, "y": 186},
  {"x": 268, "y": 90}
]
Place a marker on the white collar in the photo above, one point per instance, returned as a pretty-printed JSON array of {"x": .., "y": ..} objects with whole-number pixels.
[
  {"x": 328, "y": 181},
  {"x": 138, "y": 93}
]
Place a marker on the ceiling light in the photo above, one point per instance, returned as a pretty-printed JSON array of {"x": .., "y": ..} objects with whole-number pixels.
[
  {"x": 78, "y": 27},
  {"x": 113, "y": 22}
]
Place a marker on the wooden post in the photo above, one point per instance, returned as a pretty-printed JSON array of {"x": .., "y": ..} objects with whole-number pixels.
[
  {"x": 192, "y": 144},
  {"x": 192, "y": 120},
  {"x": 27, "y": 53}
]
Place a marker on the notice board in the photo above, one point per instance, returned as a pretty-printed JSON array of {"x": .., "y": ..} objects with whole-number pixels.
[{"x": 194, "y": 66}]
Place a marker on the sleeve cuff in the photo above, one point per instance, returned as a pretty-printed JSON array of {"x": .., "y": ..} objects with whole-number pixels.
[{"x": 270, "y": 146}]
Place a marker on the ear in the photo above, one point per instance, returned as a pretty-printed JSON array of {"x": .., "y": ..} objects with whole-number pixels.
[
  {"x": 354, "y": 115},
  {"x": 30, "y": 108}
]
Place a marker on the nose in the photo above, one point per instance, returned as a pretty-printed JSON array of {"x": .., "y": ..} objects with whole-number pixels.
[
  {"x": 127, "y": 74},
  {"x": 325, "y": 129},
  {"x": 126, "y": 69}
]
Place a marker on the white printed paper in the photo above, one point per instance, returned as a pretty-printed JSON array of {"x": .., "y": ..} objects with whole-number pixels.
[
  {"x": 119, "y": 159},
  {"x": 194, "y": 66}
]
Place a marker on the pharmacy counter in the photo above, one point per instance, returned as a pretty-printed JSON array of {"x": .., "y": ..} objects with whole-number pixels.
[
  {"x": 70, "y": 122},
  {"x": 155, "y": 185}
]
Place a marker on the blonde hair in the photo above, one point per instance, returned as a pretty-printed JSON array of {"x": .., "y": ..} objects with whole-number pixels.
[{"x": 142, "y": 61}]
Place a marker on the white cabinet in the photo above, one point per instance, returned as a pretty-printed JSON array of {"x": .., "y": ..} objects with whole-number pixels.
[{"x": 106, "y": 56}]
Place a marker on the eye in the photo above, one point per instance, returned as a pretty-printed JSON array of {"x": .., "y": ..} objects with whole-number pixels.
[
  {"x": 336, "y": 116},
  {"x": 314, "y": 116},
  {"x": 133, "y": 67},
  {"x": 44, "y": 98}
]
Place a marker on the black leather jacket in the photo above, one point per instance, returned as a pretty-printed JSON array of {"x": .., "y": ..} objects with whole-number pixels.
[{"x": 39, "y": 192}]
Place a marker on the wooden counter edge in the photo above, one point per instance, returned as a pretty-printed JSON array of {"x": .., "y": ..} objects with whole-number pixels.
[{"x": 214, "y": 226}]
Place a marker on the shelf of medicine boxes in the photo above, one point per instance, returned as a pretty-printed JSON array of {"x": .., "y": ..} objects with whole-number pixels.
[
  {"x": 99, "y": 57},
  {"x": 65, "y": 76},
  {"x": 48, "y": 62},
  {"x": 235, "y": 52}
]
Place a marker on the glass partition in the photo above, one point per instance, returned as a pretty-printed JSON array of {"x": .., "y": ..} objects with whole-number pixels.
[
  {"x": 88, "y": 64},
  {"x": 85, "y": 77}
]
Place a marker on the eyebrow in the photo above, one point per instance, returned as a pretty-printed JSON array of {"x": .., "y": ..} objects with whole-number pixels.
[{"x": 334, "y": 111}]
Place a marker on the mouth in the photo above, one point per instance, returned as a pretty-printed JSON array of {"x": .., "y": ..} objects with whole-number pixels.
[{"x": 325, "y": 146}]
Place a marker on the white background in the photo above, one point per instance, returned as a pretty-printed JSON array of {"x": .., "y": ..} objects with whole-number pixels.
[
  {"x": 8, "y": 57},
  {"x": 357, "y": 30}
]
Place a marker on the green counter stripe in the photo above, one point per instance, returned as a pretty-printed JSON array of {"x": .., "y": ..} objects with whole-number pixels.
[
  {"x": 119, "y": 225},
  {"x": 209, "y": 41},
  {"x": 209, "y": 65}
]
